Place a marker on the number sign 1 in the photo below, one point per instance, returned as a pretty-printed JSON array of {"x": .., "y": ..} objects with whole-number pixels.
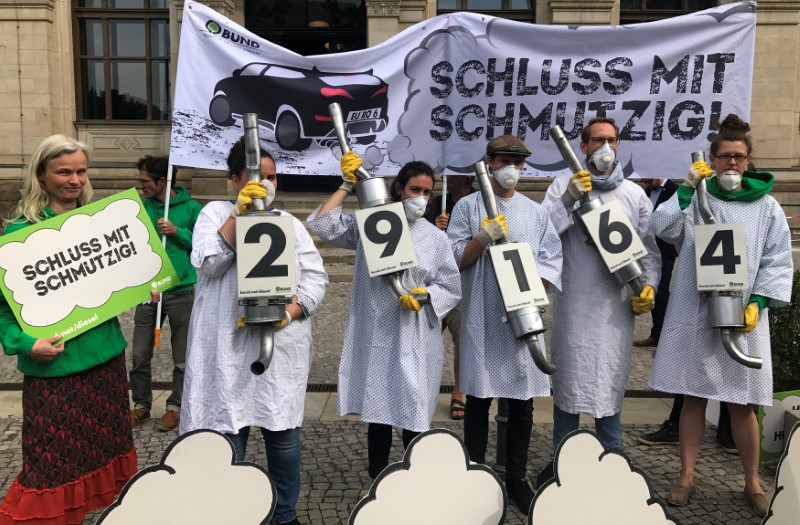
[
  {"x": 720, "y": 252},
  {"x": 517, "y": 275},
  {"x": 386, "y": 239},
  {"x": 616, "y": 240},
  {"x": 265, "y": 256}
]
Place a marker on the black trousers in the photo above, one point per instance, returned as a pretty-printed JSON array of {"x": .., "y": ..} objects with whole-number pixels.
[
  {"x": 518, "y": 433},
  {"x": 662, "y": 298},
  {"x": 379, "y": 444}
]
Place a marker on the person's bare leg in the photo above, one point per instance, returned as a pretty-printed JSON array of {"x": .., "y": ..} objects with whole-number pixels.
[
  {"x": 744, "y": 426},
  {"x": 692, "y": 426}
]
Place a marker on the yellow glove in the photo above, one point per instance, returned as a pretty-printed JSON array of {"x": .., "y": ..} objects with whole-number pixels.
[
  {"x": 284, "y": 323},
  {"x": 643, "y": 302},
  {"x": 750, "y": 318},
  {"x": 350, "y": 163},
  {"x": 492, "y": 230},
  {"x": 244, "y": 202},
  {"x": 697, "y": 172},
  {"x": 579, "y": 185},
  {"x": 409, "y": 303}
]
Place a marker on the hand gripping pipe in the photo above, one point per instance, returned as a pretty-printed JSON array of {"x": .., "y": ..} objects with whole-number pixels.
[
  {"x": 526, "y": 323},
  {"x": 371, "y": 191},
  {"x": 726, "y": 307},
  {"x": 630, "y": 273},
  {"x": 262, "y": 311}
]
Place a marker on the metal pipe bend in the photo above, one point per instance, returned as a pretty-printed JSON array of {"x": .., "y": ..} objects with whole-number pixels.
[
  {"x": 537, "y": 353},
  {"x": 736, "y": 354}
]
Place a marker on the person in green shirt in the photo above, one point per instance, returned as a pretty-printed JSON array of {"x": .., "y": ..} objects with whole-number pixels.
[
  {"x": 77, "y": 445},
  {"x": 177, "y": 305}
]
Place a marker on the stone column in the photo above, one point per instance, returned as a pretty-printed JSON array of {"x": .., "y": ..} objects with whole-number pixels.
[
  {"x": 584, "y": 12},
  {"x": 383, "y": 20}
]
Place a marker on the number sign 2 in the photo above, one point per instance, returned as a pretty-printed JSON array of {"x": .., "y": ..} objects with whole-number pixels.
[
  {"x": 616, "y": 240},
  {"x": 720, "y": 257},
  {"x": 517, "y": 275},
  {"x": 265, "y": 256},
  {"x": 386, "y": 239}
]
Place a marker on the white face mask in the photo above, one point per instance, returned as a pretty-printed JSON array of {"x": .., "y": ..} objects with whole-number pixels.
[
  {"x": 603, "y": 158},
  {"x": 729, "y": 180},
  {"x": 415, "y": 207},
  {"x": 507, "y": 176}
]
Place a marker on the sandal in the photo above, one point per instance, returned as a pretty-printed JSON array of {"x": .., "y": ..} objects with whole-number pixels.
[{"x": 457, "y": 408}]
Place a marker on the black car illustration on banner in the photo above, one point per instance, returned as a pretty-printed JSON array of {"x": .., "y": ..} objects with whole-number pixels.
[{"x": 293, "y": 102}]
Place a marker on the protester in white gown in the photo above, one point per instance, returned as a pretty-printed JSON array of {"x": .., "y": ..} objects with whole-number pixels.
[
  {"x": 220, "y": 392},
  {"x": 690, "y": 358},
  {"x": 493, "y": 363},
  {"x": 593, "y": 316},
  {"x": 393, "y": 353}
]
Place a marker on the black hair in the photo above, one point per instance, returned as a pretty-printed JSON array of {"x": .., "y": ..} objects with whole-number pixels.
[
  {"x": 732, "y": 129},
  {"x": 156, "y": 167},
  {"x": 411, "y": 169},
  {"x": 237, "y": 162}
]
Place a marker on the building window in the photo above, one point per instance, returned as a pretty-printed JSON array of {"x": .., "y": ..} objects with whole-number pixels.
[
  {"x": 634, "y": 11},
  {"x": 122, "y": 67},
  {"x": 519, "y": 10},
  {"x": 309, "y": 27}
]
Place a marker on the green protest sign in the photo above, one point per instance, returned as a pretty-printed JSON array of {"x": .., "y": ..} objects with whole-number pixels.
[
  {"x": 71, "y": 272},
  {"x": 771, "y": 426}
]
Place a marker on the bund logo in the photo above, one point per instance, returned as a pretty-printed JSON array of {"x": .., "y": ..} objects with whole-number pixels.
[{"x": 213, "y": 27}]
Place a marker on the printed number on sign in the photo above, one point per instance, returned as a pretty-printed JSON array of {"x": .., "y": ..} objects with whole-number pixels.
[
  {"x": 519, "y": 271},
  {"x": 264, "y": 267},
  {"x": 391, "y": 238},
  {"x": 722, "y": 240},
  {"x": 625, "y": 236}
]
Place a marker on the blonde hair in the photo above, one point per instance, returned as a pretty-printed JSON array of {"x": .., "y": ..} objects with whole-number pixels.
[{"x": 34, "y": 197}]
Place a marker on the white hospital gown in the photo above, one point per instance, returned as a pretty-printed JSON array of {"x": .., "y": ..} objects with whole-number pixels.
[
  {"x": 220, "y": 392},
  {"x": 690, "y": 358},
  {"x": 493, "y": 363},
  {"x": 392, "y": 359},
  {"x": 592, "y": 319}
]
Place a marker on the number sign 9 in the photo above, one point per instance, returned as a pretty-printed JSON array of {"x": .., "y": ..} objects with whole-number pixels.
[
  {"x": 615, "y": 238},
  {"x": 720, "y": 257},
  {"x": 265, "y": 256},
  {"x": 386, "y": 239},
  {"x": 517, "y": 275}
]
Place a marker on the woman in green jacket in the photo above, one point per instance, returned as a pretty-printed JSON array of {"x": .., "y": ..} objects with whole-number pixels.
[{"x": 77, "y": 445}]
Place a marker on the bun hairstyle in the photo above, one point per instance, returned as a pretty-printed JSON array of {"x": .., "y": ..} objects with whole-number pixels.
[{"x": 732, "y": 129}]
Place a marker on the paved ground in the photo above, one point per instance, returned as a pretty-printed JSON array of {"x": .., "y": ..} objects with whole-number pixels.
[{"x": 334, "y": 449}]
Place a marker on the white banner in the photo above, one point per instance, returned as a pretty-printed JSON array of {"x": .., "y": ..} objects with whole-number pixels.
[{"x": 440, "y": 89}]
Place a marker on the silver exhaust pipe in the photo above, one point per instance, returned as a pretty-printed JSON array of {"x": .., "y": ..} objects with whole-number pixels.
[{"x": 726, "y": 308}]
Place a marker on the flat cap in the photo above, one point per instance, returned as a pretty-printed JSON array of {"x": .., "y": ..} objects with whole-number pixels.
[{"x": 508, "y": 144}]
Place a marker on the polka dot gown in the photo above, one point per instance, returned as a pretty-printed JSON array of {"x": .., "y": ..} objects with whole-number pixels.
[
  {"x": 690, "y": 358},
  {"x": 392, "y": 359},
  {"x": 493, "y": 363}
]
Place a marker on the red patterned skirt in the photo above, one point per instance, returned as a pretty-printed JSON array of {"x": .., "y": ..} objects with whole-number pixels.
[{"x": 77, "y": 446}]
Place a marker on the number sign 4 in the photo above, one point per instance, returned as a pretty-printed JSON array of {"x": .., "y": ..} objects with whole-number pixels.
[
  {"x": 720, "y": 257},
  {"x": 265, "y": 256},
  {"x": 386, "y": 239}
]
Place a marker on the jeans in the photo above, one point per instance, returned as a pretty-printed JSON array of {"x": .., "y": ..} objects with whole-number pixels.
[
  {"x": 283, "y": 464},
  {"x": 518, "y": 433},
  {"x": 178, "y": 307},
  {"x": 608, "y": 429}
]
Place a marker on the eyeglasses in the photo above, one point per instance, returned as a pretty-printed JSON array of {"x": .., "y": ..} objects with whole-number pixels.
[
  {"x": 726, "y": 157},
  {"x": 599, "y": 141}
]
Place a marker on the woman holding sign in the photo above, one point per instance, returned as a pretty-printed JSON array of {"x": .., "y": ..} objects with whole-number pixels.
[
  {"x": 690, "y": 358},
  {"x": 77, "y": 446},
  {"x": 393, "y": 351}
]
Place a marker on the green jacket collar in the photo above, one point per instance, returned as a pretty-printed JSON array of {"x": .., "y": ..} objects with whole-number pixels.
[{"x": 755, "y": 184}]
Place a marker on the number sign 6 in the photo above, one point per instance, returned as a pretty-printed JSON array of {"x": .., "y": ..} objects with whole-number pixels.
[
  {"x": 265, "y": 258},
  {"x": 386, "y": 239},
  {"x": 613, "y": 234}
]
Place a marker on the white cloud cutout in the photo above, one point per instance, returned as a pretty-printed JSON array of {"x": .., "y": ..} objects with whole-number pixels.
[
  {"x": 772, "y": 438},
  {"x": 196, "y": 483},
  {"x": 109, "y": 251},
  {"x": 597, "y": 487},
  {"x": 785, "y": 506},
  {"x": 434, "y": 484}
]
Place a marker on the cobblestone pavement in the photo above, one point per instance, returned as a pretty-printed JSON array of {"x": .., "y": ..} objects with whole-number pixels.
[{"x": 334, "y": 451}]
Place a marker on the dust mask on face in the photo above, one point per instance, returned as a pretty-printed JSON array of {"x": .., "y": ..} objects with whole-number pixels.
[
  {"x": 729, "y": 180},
  {"x": 415, "y": 207},
  {"x": 507, "y": 176},
  {"x": 603, "y": 158}
]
